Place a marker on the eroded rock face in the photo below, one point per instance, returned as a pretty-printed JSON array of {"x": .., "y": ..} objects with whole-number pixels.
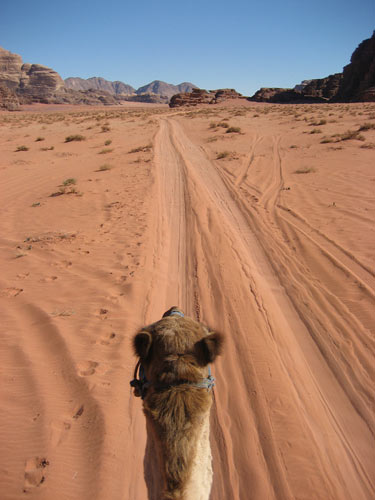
[
  {"x": 358, "y": 81},
  {"x": 31, "y": 82},
  {"x": 325, "y": 88},
  {"x": 282, "y": 96},
  {"x": 10, "y": 69},
  {"x": 201, "y": 96},
  {"x": 8, "y": 99},
  {"x": 39, "y": 83}
]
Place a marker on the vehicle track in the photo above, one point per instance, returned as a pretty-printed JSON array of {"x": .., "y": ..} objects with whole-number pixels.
[{"x": 289, "y": 405}]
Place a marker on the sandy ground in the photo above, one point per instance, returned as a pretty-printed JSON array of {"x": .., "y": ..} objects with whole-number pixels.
[{"x": 266, "y": 234}]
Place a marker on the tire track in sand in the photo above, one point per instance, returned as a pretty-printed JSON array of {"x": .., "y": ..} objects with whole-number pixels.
[{"x": 284, "y": 412}]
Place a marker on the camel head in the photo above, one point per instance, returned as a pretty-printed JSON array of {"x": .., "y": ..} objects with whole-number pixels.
[
  {"x": 174, "y": 354},
  {"x": 176, "y": 349}
]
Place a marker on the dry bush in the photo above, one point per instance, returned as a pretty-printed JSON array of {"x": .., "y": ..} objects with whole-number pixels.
[
  {"x": 235, "y": 130},
  {"x": 223, "y": 154},
  {"x": 76, "y": 137}
]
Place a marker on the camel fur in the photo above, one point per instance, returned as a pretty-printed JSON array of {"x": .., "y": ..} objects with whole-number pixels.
[{"x": 175, "y": 353}]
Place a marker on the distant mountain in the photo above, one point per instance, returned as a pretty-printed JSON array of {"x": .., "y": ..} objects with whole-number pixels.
[
  {"x": 146, "y": 93},
  {"x": 165, "y": 89},
  {"x": 98, "y": 83}
]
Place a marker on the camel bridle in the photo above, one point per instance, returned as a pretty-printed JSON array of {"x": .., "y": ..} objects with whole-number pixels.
[{"x": 141, "y": 384}]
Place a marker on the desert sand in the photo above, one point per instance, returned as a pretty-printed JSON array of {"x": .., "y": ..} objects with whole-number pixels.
[{"x": 264, "y": 231}]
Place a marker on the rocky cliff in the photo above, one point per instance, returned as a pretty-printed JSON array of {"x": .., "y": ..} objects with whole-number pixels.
[
  {"x": 30, "y": 82},
  {"x": 201, "y": 96},
  {"x": 358, "y": 79},
  {"x": 23, "y": 83},
  {"x": 356, "y": 83}
]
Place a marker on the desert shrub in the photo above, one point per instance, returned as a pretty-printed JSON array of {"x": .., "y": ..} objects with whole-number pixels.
[
  {"x": 223, "y": 124},
  {"x": 212, "y": 125},
  {"x": 317, "y": 123},
  {"x": 51, "y": 148},
  {"x": 38, "y": 139},
  {"x": 223, "y": 154},
  {"x": 108, "y": 142},
  {"x": 305, "y": 170},
  {"x": 69, "y": 182},
  {"x": 316, "y": 131},
  {"x": 106, "y": 128},
  {"x": 105, "y": 151},
  {"x": 141, "y": 149},
  {"x": 366, "y": 126},
  {"x": 76, "y": 137},
  {"x": 104, "y": 167},
  {"x": 22, "y": 148},
  {"x": 350, "y": 134},
  {"x": 236, "y": 130}
]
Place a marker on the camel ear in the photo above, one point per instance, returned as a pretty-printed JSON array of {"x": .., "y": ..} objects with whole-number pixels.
[
  {"x": 208, "y": 348},
  {"x": 141, "y": 344}
]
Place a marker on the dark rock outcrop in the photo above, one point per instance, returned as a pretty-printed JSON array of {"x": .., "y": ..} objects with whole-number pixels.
[
  {"x": 283, "y": 96},
  {"x": 326, "y": 88},
  {"x": 201, "y": 96},
  {"x": 358, "y": 81}
]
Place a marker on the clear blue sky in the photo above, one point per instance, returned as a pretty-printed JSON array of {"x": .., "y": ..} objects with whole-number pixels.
[{"x": 214, "y": 44}]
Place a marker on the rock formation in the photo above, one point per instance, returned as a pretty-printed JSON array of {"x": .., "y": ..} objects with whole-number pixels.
[
  {"x": 325, "y": 88},
  {"x": 31, "y": 82},
  {"x": 356, "y": 83},
  {"x": 8, "y": 99},
  {"x": 164, "y": 89},
  {"x": 358, "y": 80},
  {"x": 98, "y": 83},
  {"x": 201, "y": 96}
]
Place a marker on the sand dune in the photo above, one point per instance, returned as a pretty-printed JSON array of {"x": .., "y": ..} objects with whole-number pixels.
[{"x": 265, "y": 233}]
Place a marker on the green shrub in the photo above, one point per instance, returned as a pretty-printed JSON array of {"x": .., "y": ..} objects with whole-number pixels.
[
  {"x": 236, "y": 130},
  {"x": 22, "y": 148}
]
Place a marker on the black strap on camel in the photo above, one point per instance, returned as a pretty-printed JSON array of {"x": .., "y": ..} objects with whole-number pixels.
[{"x": 141, "y": 384}]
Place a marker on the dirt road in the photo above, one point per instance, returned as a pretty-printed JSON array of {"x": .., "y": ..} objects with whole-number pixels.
[{"x": 293, "y": 392}]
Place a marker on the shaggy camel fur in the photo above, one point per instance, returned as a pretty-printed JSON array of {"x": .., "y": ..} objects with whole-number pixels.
[{"x": 175, "y": 353}]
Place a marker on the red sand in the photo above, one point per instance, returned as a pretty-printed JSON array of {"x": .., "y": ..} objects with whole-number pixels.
[{"x": 281, "y": 262}]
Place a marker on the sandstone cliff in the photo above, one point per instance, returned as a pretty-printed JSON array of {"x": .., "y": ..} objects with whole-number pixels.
[{"x": 31, "y": 82}]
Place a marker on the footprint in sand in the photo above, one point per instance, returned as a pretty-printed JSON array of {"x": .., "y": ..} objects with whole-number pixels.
[
  {"x": 59, "y": 431},
  {"x": 89, "y": 368},
  {"x": 107, "y": 339},
  {"x": 35, "y": 472}
]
